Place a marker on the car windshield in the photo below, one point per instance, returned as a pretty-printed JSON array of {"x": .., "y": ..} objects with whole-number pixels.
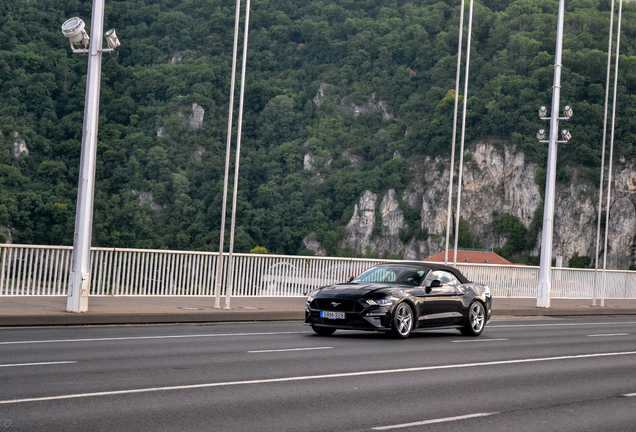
[{"x": 398, "y": 274}]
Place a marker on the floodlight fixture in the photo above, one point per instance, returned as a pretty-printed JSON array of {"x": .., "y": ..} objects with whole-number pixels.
[
  {"x": 111, "y": 38},
  {"x": 543, "y": 111},
  {"x": 565, "y": 134},
  {"x": 541, "y": 134},
  {"x": 73, "y": 29},
  {"x": 567, "y": 111}
]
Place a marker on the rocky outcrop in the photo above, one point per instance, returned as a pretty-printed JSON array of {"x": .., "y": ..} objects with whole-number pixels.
[
  {"x": 308, "y": 162},
  {"x": 197, "y": 154},
  {"x": 320, "y": 95},
  {"x": 195, "y": 120},
  {"x": 178, "y": 56},
  {"x": 360, "y": 226},
  {"x": 621, "y": 232},
  {"x": 19, "y": 146},
  {"x": 312, "y": 243},
  {"x": 392, "y": 222},
  {"x": 497, "y": 181},
  {"x": 8, "y": 234},
  {"x": 147, "y": 198},
  {"x": 348, "y": 107},
  {"x": 353, "y": 159}
]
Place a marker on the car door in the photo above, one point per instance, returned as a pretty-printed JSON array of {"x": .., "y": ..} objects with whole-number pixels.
[{"x": 441, "y": 301}]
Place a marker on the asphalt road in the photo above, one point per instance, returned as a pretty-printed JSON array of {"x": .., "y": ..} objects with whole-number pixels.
[{"x": 559, "y": 374}]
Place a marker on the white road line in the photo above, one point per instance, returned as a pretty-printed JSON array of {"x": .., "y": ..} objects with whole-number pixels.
[
  {"x": 478, "y": 340},
  {"x": 147, "y": 337},
  {"x": 313, "y": 377},
  {"x": 608, "y": 334},
  {"x": 442, "y": 420},
  {"x": 36, "y": 364},
  {"x": 289, "y": 349},
  {"x": 560, "y": 324},
  {"x": 630, "y": 395}
]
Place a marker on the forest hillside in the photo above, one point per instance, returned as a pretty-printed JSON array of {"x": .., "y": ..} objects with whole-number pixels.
[{"x": 342, "y": 97}]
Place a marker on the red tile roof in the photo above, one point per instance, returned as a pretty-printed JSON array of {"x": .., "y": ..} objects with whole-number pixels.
[{"x": 474, "y": 257}]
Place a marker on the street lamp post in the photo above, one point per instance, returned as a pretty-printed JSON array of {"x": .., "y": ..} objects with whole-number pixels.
[
  {"x": 219, "y": 267},
  {"x": 79, "y": 279},
  {"x": 219, "y": 264},
  {"x": 461, "y": 146},
  {"x": 600, "y": 188},
  {"x": 452, "y": 163},
  {"x": 611, "y": 155},
  {"x": 543, "y": 295}
]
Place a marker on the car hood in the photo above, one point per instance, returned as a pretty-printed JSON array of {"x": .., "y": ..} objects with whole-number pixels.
[{"x": 354, "y": 291}]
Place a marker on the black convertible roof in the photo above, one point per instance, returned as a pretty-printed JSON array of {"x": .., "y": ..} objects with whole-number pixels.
[{"x": 430, "y": 266}]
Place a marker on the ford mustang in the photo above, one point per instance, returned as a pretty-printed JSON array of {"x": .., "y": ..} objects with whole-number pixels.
[{"x": 399, "y": 298}]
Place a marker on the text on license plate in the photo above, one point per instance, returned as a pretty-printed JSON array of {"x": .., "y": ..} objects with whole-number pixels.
[{"x": 332, "y": 315}]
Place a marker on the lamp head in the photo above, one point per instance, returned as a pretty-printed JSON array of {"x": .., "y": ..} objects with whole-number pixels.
[
  {"x": 111, "y": 39},
  {"x": 541, "y": 134},
  {"x": 568, "y": 111},
  {"x": 73, "y": 29},
  {"x": 543, "y": 111},
  {"x": 566, "y": 135}
]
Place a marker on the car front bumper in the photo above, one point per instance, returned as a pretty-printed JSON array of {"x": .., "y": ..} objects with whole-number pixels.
[{"x": 375, "y": 320}]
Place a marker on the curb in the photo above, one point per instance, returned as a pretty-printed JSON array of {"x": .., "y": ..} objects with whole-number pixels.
[{"x": 151, "y": 318}]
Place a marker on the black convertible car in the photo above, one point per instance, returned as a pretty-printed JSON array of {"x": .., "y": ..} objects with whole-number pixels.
[{"x": 400, "y": 298}]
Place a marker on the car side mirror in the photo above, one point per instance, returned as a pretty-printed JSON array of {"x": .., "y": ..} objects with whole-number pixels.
[
  {"x": 350, "y": 279},
  {"x": 436, "y": 284}
]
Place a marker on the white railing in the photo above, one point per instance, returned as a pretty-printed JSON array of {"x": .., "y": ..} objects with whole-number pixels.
[{"x": 44, "y": 270}]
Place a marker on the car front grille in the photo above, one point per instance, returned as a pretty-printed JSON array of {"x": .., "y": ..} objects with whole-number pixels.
[{"x": 337, "y": 305}]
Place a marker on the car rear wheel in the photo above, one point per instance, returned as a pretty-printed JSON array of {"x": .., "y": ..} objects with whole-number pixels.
[
  {"x": 476, "y": 320},
  {"x": 323, "y": 331},
  {"x": 402, "y": 321}
]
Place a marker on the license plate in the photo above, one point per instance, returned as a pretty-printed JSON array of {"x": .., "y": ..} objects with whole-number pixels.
[{"x": 332, "y": 315}]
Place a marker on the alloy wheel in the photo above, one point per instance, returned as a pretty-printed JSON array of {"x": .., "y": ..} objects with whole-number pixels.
[
  {"x": 477, "y": 317},
  {"x": 404, "y": 319}
]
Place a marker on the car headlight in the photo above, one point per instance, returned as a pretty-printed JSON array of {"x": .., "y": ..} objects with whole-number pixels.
[
  {"x": 312, "y": 295},
  {"x": 379, "y": 302},
  {"x": 486, "y": 291}
]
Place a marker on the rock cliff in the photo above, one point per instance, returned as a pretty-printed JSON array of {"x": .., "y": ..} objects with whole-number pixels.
[{"x": 497, "y": 181}]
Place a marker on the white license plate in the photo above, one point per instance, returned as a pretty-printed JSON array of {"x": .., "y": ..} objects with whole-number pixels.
[{"x": 332, "y": 315}]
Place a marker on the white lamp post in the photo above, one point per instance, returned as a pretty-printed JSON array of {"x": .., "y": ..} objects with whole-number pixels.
[
  {"x": 73, "y": 29},
  {"x": 545, "y": 284},
  {"x": 219, "y": 268}
]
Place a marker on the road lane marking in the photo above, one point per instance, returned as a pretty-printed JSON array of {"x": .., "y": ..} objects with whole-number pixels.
[
  {"x": 289, "y": 349},
  {"x": 560, "y": 324},
  {"x": 478, "y": 340},
  {"x": 148, "y": 337},
  {"x": 608, "y": 334},
  {"x": 313, "y": 377},
  {"x": 36, "y": 364},
  {"x": 630, "y": 395},
  {"x": 442, "y": 420}
]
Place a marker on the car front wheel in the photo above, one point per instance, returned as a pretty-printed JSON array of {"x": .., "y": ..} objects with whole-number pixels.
[
  {"x": 323, "y": 331},
  {"x": 402, "y": 321},
  {"x": 476, "y": 320}
]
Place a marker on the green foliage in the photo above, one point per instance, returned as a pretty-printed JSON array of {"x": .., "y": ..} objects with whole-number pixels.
[
  {"x": 159, "y": 182},
  {"x": 259, "y": 250},
  {"x": 516, "y": 234},
  {"x": 465, "y": 238},
  {"x": 377, "y": 226},
  {"x": 577, "y": 261}
]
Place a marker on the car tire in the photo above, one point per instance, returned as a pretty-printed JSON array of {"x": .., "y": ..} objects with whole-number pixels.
[
  {"x": 403, "y": 318},
  {"x": 475, "y": 321},
  {"x": 323, "y": 331}
]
